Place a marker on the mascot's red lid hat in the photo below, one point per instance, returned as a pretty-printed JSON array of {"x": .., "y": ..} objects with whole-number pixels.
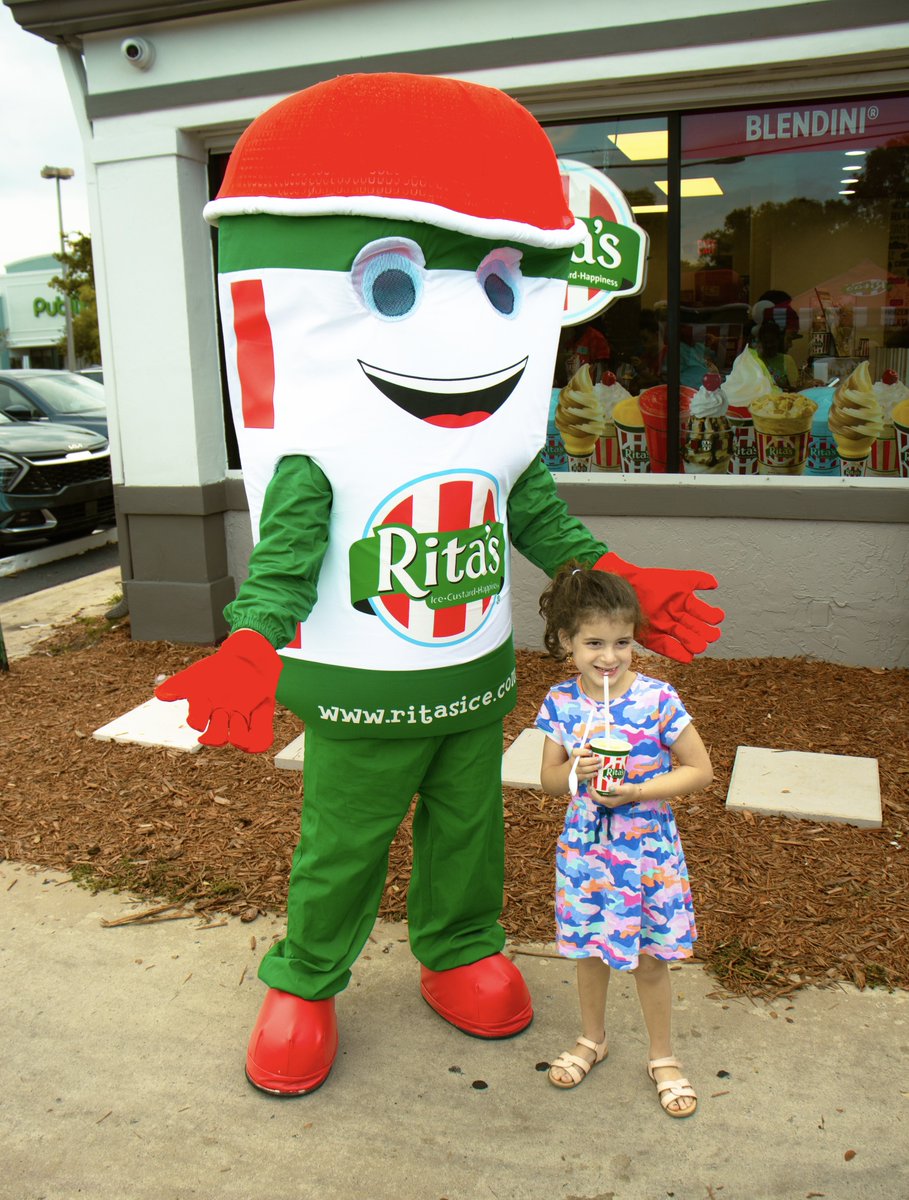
[{"x": 443, "y": 152}]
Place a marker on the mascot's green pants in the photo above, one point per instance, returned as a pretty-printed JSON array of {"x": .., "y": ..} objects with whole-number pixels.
[{"x": 341, "y": 861}]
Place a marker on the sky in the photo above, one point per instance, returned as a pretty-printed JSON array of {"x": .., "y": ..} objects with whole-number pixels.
[{"x": 39, "y": 129}]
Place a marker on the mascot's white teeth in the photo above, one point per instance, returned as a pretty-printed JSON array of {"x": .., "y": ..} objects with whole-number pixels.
[{"x": 449, "y": 403}]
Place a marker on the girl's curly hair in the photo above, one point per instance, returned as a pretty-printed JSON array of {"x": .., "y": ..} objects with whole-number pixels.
[{"x": 579, "y": 593}]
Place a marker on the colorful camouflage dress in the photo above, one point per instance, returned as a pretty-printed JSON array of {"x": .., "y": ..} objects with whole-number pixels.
[{"x": 622, "y": 885}]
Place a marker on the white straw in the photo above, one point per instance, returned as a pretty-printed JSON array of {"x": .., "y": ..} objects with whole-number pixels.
[{"x": 606, "y": 704}]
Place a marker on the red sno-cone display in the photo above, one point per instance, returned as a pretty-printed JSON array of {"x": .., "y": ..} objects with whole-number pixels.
[
  {"x": 487, "y": 998},
  {"x": 293, "y": 1044}
]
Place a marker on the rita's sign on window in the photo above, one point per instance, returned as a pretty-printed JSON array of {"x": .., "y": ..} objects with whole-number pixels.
[
  {"x": 612, "y": 259},
  {"x": 866, "y": 123}
]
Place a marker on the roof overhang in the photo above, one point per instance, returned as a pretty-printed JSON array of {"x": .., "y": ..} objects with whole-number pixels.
[{"x": 65, "y": 20}]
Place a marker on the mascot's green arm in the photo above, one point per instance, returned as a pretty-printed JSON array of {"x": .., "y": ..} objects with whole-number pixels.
[
  {"x": 541, "y": 527},
  {"x": 284, "y": 566}
]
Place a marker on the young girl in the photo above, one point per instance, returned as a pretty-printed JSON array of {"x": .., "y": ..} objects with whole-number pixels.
[{"x": 622, "y": 893}]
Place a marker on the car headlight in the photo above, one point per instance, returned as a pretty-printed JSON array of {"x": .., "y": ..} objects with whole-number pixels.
[{"x": 10, "y": 472}]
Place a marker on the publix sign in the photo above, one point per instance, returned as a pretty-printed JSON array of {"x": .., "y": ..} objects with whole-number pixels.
[
  {"x": 55, "y": 307},
  {"x": 611, "y": 261}
]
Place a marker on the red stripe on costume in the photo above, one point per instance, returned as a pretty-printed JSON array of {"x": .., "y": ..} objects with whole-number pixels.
[
  {"x": 397, "y": 605},
  {"x": 455, "y": 499},
  {"x": 489, "y": 514},
  {"x": 255, "y": 354}
]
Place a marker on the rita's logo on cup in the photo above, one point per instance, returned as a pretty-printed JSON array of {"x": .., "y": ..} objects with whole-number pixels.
[{"x": 431, "y": 562}]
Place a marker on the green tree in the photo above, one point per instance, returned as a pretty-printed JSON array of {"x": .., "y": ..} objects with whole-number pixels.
[{"x": 78, "y": 282}]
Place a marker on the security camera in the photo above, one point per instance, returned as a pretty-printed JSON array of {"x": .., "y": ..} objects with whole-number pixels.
[{"x": 138, "y": 52}]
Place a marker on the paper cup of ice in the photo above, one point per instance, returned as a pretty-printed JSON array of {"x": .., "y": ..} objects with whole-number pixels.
[{"x": 614, "y": 753}]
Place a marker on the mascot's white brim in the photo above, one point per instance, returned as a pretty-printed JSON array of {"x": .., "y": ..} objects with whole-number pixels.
[{"x": 492, "y": 228}]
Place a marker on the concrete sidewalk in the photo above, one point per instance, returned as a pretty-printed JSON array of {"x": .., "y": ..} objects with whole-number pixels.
[
  {"x": 123, "y": 1079},
  {"x": 26, "y": 620}
]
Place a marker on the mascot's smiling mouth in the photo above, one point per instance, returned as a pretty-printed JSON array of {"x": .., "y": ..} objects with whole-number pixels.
[{"x": 449, "y": 403}]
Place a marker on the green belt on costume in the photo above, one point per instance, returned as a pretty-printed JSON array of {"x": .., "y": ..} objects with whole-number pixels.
[{"x": 346, "y": 702}]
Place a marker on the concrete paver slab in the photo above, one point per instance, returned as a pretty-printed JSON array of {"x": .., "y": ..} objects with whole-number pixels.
[
  {"x": 154, "y": 723},
  {"x": 521, "y": 761},
  {"x": 818, "y": 787},
  {"x": 291, "y": 757},
  {"x": 123, "y": 1079}
]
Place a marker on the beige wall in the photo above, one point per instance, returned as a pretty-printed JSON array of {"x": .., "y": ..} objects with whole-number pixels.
[{"x": 828, "y": 590}]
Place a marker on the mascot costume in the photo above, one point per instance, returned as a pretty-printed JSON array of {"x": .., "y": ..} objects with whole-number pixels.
[{"x": 393, "y": 252}]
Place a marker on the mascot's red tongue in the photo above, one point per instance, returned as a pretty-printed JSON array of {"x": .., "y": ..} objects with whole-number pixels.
[{"x": 456, "y": 421}]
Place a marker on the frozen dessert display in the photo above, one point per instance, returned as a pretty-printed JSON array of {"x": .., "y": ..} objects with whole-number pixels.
[
  {"x": 579, "y": 419},
  {"x": 900, "y": 418},
  {"x": 654, "y": 405},
  {"x": 606, "y": 451},
  {"x": 855, "y": 420},
  {"x": 707, "y": 444},
  {"x": 748, "y": 381},
  {"x": 890, "y": 392},
  {"x": 782, "y": 429},
  {"x": 553, "y": 452},
  {"x": 823, "y": 458},
  {"x": 629, "y": 426}
]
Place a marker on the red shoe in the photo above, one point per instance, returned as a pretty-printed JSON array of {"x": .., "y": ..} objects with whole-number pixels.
[
  {"x": 487, "y": 998},
  {"x": 293, "y": 1044}
]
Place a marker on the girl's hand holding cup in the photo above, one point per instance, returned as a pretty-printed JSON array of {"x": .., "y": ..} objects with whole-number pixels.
[
  {"x": 589, "y": 763},
  {"x": 618, "y": 794}
]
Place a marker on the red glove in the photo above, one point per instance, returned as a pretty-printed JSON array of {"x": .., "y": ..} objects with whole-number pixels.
[
  {"x": 231, "y": 694},
  {"x": 680, "y": 624}
]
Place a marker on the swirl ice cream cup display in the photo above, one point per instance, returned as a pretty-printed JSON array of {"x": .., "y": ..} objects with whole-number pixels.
[
  {"x": 747, "y": 382},
  {"x": 707, "y": 446},
  {"x": 782, "y": 426},
  {"x": 579, "y": 418},
  {"x": 855, "y": 419},
  {"x": 610, "y": 393},
  {"x": 890, "y": 392}
]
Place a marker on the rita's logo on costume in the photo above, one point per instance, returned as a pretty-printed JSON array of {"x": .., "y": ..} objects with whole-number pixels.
[{"x": 431, "y": 562}]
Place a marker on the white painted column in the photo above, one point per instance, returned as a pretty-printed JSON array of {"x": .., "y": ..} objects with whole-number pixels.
[{"x": 159, "y": 309}]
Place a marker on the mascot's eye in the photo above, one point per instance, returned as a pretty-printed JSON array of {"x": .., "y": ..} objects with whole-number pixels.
[
  {"x": 388, "y": 277},
  {"x": 499, "y": 275}
]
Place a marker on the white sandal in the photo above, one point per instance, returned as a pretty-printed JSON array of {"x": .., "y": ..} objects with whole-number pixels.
[
  {"x": 672, "y": 1089},
  {"x": 577, "y": 1068}
]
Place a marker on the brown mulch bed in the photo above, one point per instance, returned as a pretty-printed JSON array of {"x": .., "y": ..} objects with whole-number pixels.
[{"x": 779, "y": 902}]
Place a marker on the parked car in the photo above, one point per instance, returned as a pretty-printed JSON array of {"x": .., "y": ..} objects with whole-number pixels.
[
  {"x": 55, "y": 482},
  {"x": 65, "y": 397}
]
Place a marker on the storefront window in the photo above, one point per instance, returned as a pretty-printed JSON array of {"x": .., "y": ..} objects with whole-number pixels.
[
  {"x": 790, "y": 340},
  {"x": 794, "y": 264},
  {"x": 621, "y": 352}
]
